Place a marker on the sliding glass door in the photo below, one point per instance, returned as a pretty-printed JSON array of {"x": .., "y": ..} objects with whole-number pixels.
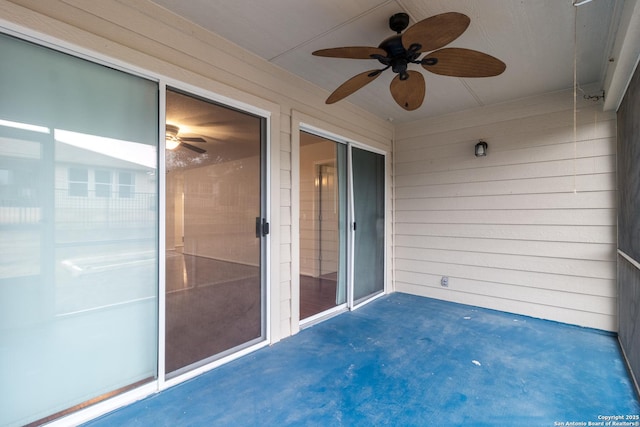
[
  {"x": 329, "y": 253},
  {"x": 78, "y": 220},
  {"x": 368, "y": 187},
  {"x": 80, "y": 264},
  {"x": 214, "y": 231},
  {"x": 323, "y": 224}
]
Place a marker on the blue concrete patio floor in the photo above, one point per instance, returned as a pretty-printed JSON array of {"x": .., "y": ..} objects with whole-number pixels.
[{"x": 405, "y": 360}]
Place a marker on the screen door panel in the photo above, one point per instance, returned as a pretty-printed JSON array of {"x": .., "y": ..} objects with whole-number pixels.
[{"x": 368, "y": 172}]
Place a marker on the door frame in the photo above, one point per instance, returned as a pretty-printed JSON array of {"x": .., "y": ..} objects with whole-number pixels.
[
  {"x": 265, "y": 244},
  {"x": 303, "y": 123}
]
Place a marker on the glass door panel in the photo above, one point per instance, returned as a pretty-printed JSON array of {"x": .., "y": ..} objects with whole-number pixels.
[
  {"x": 78, "y": 246},
  {"x": 323, "y": 224},
  {"x": 214, "y": 286},
  {"x": 368, "y": 172}
]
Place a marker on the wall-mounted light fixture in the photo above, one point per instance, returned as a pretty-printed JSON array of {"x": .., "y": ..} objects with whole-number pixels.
[{"x": 481, "y": 149}]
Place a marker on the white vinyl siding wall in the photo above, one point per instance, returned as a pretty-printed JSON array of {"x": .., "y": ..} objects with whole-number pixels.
[{"x": 508, "y": 229}]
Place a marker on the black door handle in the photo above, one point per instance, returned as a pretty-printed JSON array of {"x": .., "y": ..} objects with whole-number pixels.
[{"x": 262, "y": 227}]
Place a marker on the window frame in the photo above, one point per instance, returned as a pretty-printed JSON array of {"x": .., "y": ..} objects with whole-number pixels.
[
  {"x": 77, "y": 187},
  {"x": 103, "y": 189}
]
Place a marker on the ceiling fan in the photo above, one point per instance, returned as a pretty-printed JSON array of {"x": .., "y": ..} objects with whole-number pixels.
[
  {"x": 173, "y": 140},
  {"x": 397, "y": 52}
]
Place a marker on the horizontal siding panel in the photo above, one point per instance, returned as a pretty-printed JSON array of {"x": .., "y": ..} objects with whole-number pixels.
[
  {"x": 462, "y": 157},
  {"x": 570, "y": 250},
  {"x": 509, "y": 118},
  {"x": 446, "y": 146},
  {"x": 285, "y": 126},
  {"x": 569, "y": 300},
  {"x": 579, "y": 200},
  {"x": 558, "y": 314},
  {"x": 595, "y": 182},
  {"x": 583, "y": 166},
  {"x": 285, "y": 307},
  {"x": 285, "y": 291},
  {"x": 285, "y": 274},
  {"x": 285, "y": 215},
  {"x": 550, "y": 233},
  {"x": 285, "y": 179},
  {"x": 285, "y": 326},
  {"x": 429, "y": 273},
  {"x": 285, "y": 197},
  {"x": 511, "y": 216},
  {"x": 285, "y": 253},
  {"x": 517, "y": 134},
  {"x": 285, "y": 234},
  {"x": 285, "y": 160},
  {"x": 526, "y": 263}
]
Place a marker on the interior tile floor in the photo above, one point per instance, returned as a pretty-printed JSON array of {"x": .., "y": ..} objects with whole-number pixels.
[{"x": 404, "y": 360}]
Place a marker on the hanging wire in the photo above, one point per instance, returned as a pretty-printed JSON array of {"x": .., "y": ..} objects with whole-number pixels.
[{"x": 575, "y": 93}]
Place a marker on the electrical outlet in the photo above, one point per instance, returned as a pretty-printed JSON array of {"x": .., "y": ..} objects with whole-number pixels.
[{"x": 444, "y": 282}]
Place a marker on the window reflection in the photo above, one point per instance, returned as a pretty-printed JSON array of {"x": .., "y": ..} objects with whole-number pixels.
[
  {"x": 20, "y": 210},
  {"x": 104, "y": 212},
  {"x": 105, "y": 221},
  {"x": 78, "y": 263}
]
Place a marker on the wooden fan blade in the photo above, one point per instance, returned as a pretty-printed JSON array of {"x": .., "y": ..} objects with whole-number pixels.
[
  {"x": 353, "y": 84},
  {"x": 192, "y": 147},
  {"x": 435, "y": 32},
  {"x": 457, "y": 62},
  {"x": 192, "y": 139},
  {"x": 351, "y": 52},
  {"x": 408, "y": 93}
]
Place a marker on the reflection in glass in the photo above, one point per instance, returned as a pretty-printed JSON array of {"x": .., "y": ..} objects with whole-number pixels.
[
  {"x": 323, "y": 217},
  {"x": 213, "y": 197},
  {"x": 78, "y": 265},
  {"x": 96, "y": 230}
]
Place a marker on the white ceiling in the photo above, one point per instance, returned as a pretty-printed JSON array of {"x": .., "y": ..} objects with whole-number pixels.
[{"x": 535, "y": 38}]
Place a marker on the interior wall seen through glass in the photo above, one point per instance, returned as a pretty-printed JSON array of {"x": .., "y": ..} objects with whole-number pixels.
[{"x": 214, "y": 287}]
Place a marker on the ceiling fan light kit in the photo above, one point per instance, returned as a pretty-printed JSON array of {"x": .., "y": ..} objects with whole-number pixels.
[
  {"x": 171, "y": 137},
  {"x": 398, "y": 51},
  {"x": 173, "y": 140}
]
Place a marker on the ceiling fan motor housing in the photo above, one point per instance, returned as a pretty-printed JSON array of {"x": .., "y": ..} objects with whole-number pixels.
[
  {"x": 393, "y": 46},
  {"x": 397, "y": 56}
]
